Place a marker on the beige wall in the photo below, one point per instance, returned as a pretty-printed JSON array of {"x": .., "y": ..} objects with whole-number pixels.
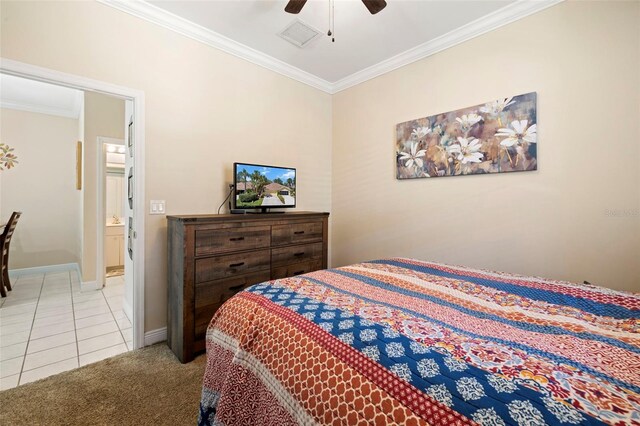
[
  {"x": 43, "y": 187},
  {"x": 205, "y": 109},
  {"x": 583, "y": 59},
  {"x": 103, "y": 116}
]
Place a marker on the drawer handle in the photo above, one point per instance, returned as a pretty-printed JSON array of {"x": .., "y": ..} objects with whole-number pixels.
[
  {"x": 236, "y": 287},
  {"x": 300, "y": 253},
  {"x": 236, "y": 239},
  {"x": 299, "y": 232},
  {"x": 298, "y": 273},
  {"x": 233, "y": 265}
]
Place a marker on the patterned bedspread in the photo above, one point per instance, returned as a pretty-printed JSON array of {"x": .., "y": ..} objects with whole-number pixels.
[{"x": 401, "y": 341}]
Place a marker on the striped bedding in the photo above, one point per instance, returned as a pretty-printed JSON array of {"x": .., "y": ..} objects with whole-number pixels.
[{"x": 401, "y": 341}]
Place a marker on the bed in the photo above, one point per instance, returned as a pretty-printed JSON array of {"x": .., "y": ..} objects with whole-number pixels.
[{"x": 402, "y": 341}]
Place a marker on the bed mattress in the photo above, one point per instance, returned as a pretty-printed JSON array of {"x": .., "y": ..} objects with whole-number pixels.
[{"x": 402, "y": 341}]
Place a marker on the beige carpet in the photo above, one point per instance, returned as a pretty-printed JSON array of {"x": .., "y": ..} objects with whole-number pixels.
[{"x": 143, "y": 387}]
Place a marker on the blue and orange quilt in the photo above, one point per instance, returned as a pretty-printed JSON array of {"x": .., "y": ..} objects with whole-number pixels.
[{"x": 401, "y": 341}]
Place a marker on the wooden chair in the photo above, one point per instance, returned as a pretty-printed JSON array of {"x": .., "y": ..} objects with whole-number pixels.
[{"x": 5, "y": 240}]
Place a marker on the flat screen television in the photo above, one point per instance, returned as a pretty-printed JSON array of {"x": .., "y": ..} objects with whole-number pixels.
[{"x": 262, "y": 187}]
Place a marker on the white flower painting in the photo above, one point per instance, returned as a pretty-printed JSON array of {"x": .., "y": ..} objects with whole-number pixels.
[
  {"x": 467, "y": 150},
  {"x": 468, "y": 120},
  {"x": 413, "y": 157},
  {"x": 496, "y": 107},
  {"x": 420, "y": 132},
  {"x": 494, "y": 137},
  {"x": 518, "y": 133}
]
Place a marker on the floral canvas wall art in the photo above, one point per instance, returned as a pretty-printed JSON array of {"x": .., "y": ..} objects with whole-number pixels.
[
  {"x": 496, "y": 137},
  {"x": 7, "y": 158}
]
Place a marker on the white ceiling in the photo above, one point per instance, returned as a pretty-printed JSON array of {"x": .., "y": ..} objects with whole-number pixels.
[
  {"x": 366, "y": 45},
  {"x": 362, "y": 39},
  {"x": 34, "y": 96}
]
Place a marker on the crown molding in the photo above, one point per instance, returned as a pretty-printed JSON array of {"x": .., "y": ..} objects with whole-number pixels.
[
  {"x": 161, "y": 17},
  {"x": 504, "y": 16},
  {"x": 485, "y": 24},
  {"x": 72, "y": 112}
]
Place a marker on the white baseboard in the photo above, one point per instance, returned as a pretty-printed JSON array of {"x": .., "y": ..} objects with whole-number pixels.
[
  {"x": 13, "y": 273},
  {"x": 155, "y": 336},
  {"x": 49, "y": 269}
]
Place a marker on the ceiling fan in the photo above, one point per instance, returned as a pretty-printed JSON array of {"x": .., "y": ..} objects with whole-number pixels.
[{"x": 374, "y": 6}]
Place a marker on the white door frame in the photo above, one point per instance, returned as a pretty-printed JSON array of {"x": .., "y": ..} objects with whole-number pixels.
[
  {"x": 20, "y": 69},
  {"x": 101, "y": 205}
]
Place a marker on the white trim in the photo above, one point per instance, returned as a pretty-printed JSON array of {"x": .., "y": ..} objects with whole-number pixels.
[
  {"x": 71, "y": 267},
  {"x": 73, "y": 112},
  {"x": 139, "y": 217},
  {"x": 101, "y": 217},
  {"x": 13, "y": 273},
  {"x": 155, "y": 336},
  {"x": 33, "y": 72},
  {"x": 168, "y": 20},
  {"x": 503, "y": 16},
  {"x": 67, "y": 111}
]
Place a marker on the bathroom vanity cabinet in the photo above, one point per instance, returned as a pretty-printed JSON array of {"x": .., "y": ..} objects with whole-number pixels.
[{"x": 114, "y": 246}]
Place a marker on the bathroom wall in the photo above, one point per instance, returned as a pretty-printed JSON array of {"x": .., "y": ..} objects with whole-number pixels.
[{"x": 43, "y": 187}]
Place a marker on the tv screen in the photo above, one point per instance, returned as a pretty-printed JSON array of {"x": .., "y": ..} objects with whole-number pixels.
[{"x": 263, "y": 187}]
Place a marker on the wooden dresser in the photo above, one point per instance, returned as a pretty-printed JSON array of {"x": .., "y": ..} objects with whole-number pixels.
[{"x": 212, "y": 257}]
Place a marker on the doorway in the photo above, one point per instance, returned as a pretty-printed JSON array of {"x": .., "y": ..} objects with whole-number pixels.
[
  {"x": 113, "y": 268},
  {"x": 114, "y": 200},
  {"x": 134, "y": 142}
]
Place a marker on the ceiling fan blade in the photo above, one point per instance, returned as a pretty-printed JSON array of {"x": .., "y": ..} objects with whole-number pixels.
[
  {"x": 375, "y": 6},
  {"x": 295, "y": 6}
]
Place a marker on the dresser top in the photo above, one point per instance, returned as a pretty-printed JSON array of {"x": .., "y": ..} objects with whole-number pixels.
[{"x": 196, "y": 218}]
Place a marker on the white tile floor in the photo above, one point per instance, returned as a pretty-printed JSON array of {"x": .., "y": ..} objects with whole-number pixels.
[{"x": 47, "y": 326}]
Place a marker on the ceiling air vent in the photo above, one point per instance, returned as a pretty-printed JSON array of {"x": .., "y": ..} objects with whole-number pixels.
[{"x": 299, "y": 33}]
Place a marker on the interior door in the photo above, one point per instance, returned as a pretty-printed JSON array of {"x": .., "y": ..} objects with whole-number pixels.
[{"x": 129, "y": 225}]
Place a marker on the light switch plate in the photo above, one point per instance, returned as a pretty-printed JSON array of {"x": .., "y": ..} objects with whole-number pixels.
[{"x": 157, "y": 207}]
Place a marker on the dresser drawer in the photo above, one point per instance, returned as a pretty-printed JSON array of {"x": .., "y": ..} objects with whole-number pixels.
[
  {"x": 296, "y": 233},
  {"x": 295, "y": 254},
  {"x": 202, "y": 320},
  {"x": 214, "y": 292},
  {"x": 296, "y": 269},
  {"x": 211, "y": 295},
  {"x": 218, "y": 267},
  {"x": 212, "y": 241}
]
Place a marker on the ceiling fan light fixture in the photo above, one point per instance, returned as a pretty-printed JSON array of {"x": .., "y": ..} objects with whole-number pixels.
[
  {"x": 375, "y": 6},
  {"x": 294, "y": 6}
]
